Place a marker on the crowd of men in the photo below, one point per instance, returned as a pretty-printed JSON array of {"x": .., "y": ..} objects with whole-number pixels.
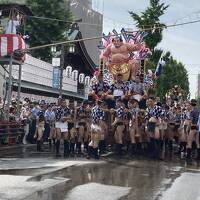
[{"x": 121, "y": 118}]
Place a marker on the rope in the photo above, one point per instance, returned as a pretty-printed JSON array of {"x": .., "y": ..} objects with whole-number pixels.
[
  {"x": 99, "y": 37},
  {"x": 60, "y": 20}
]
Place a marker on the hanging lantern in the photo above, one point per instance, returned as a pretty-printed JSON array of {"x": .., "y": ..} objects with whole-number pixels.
[
  {"x": 68, "y": 71},
  {"x": 75, "y": 75},
  {"x": 71, "y": 48},
  {"x": 53, "y": 49},
  {"x": 87, "y": 81},
  {"x": 81, "y": 78}
]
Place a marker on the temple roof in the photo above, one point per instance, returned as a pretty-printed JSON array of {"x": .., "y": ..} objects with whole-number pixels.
[
  {"x": 23, "y": 9},
  {"x": 81, "y": 58}
]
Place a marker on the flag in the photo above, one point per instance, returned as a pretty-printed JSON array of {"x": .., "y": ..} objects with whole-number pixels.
[{"x": 160, "y": 65}]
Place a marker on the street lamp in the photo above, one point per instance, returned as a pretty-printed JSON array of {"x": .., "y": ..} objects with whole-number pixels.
[
  {"x": 53, "y": 49},
  {"x": 62, "y": 58},
  {"x": 71, "y": 48}
]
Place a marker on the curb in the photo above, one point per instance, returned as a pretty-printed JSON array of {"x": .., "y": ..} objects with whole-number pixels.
[{"x": 16, "y": 146}]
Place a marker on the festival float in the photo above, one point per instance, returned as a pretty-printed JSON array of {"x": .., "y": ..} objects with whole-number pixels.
[{"x": 122, "y": 53}]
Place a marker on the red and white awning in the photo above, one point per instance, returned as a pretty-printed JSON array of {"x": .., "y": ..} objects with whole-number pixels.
[{"x": 9, "y": 43}]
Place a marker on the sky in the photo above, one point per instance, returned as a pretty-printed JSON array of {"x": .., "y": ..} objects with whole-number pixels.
[{"x": 183, "y": 42}]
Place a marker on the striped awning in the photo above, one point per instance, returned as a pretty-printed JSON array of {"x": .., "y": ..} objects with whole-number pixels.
[{"x": 9, "y": 43}]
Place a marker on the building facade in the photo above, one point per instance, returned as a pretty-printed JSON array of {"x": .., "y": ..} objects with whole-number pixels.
[
  {"x": 37, "y": 75},
  {"x": 91, "y": 25},
  {"x": 37, "y": 81}
]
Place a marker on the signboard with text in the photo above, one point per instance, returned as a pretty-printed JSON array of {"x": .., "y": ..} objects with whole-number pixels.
[{"x": 56, "y": 77}]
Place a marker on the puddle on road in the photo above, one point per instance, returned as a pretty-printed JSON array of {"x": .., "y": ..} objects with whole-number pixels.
[{"x": 145, "y": 178}]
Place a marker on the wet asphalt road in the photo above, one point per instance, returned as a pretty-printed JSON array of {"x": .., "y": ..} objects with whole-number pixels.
[{"x": 26, "y": 174}]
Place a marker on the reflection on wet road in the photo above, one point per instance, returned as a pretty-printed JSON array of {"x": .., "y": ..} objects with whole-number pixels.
[{"x": 49, "y": 178}]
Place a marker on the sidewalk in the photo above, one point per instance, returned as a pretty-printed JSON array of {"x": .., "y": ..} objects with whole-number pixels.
[{"x": 15, "y": 146}]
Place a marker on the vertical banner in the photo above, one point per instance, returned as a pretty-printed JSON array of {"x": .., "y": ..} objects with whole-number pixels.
[
  {"x": 56, "y": 77},
  {"x": 56, "y": 73}
]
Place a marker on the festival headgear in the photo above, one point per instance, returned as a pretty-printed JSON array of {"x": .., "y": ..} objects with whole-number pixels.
[
  {"x": 159, "y": 104},
  {"x": 42, "y": 102},
  {"x": 117, "y": 38},
  {"x": 49, "y": 106},
  {"x": 133, "y": 100},
  {"x": 193, "y": 102},
  {"x": 152, "y": 98},
  {"x": 85, "y": 102},
  {"x": 99, "y": 102},
  {"x": 119, "y": 100},
  {"x": 13, "y": 100}
]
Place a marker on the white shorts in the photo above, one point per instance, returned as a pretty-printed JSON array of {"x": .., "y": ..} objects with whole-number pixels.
[
  {"x": 63, "y": 126},
  {"x": 57, "y": 124},
  {"x": 95, "y": 127}
]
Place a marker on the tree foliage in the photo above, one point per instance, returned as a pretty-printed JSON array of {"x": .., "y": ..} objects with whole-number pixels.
[
  {"x": 149, "y": 19},
  {"x": 44, "y": 31},
  {"x": 174, "y": 73},
  {"x": 198, "y": 102}
]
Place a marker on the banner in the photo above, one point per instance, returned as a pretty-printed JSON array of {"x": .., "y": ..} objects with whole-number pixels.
[{"x": 56, "y": 77}]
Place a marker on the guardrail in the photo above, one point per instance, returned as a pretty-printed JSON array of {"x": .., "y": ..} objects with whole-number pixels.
[{"x": 11, "y": 133}]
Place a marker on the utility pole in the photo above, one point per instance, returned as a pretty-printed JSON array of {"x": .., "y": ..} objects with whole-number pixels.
[
  {"x": 10, "y": 81},
  {"x": 62, "y": 62}
]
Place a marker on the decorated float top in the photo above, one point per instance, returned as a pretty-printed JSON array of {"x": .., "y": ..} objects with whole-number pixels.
[
  {"x": 128, "y": 36},
  {"x": 122, "y": 57}
]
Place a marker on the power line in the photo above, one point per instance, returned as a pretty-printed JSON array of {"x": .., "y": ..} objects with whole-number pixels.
[
  {"x": 191, "y": 64},
  {"x": 64, "y": 21},
  {"x": 121, "y": 22},
  {"x": 71, "y": 22},
  {"x": 99, "y": 37},
  {"x": 187, "y": 16}
]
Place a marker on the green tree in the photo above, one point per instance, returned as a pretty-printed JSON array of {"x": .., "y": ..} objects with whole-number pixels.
[
  {"x": 174, "y": 73},
  {"x": 198, "y": 102},
  {"x": 150, "y": 19},
  {"x": 44, "y": 31}
]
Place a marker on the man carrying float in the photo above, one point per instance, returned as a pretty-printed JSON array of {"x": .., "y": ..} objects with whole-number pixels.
[
  {"x": 119, "y": 125},
  {"x": 97, "y": 116},
  {"x": 152, "y": 115},
  {"x": 133, "y": 123}
]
